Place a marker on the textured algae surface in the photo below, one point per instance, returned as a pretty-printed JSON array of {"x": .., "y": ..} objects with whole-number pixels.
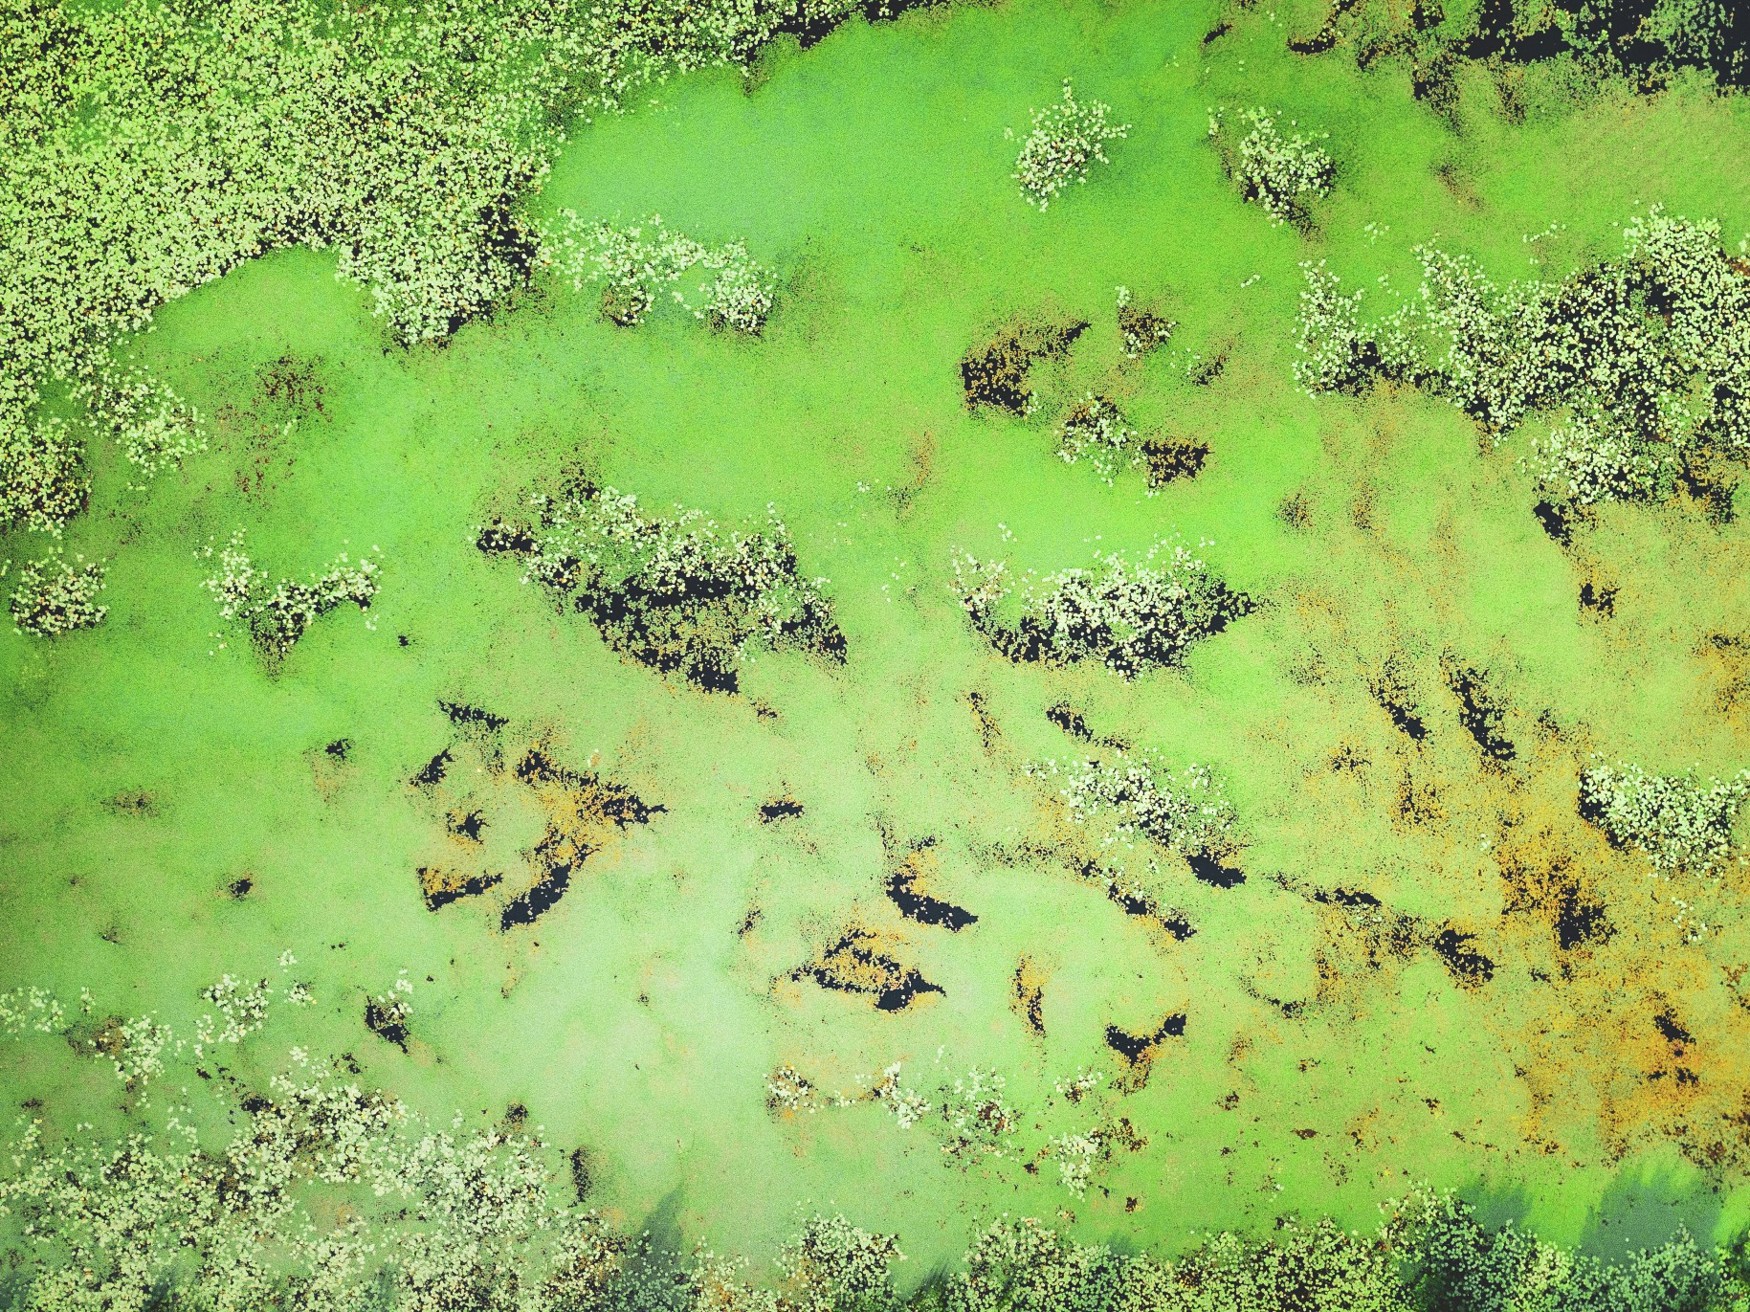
[{"x": 689, "y": 930}]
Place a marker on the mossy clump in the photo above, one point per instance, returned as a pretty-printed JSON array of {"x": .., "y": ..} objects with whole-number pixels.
[
  {"x": 1066, "y": 140},
  {"x": 147, "y": 148},
  {"x": 1642, "y": 363},
  {"x": 1097, "y": 432},
  {"x": 223, "y": 1205},
  {"x": 42, "y": 476},
  {"x": 632, "y": 264},
  {"x": 54, "y": 595},
  {"x": 154, "y": 427},
  {"x": 1144, "y": 826},
  {"x": 1646, "y": 43},
  {"x": 1130, "y": 617},
  {"x": 678, "y": 594},
  {"x": 1280, "y": 173},
  {"x": 834, "y": 1266},
  {"x": 277, "y": 615},
  {"x": 1140, "y": 328},
  {"x": 1679, "y": 822}
]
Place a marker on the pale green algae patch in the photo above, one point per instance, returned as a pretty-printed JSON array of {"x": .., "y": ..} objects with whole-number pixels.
[{"x": 1322, "y": 1063}]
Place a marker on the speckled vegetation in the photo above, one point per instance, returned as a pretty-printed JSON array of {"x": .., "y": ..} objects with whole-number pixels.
[{"x": 1040, "y": 656}]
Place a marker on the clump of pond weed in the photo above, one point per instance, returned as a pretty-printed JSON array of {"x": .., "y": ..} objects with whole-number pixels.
[
  {"x": 1131, "y": 617},
  {"x": 1066, "y": 140},
  {"x": 276, "y": 615},
  {"x": 678, "y": 593},
  {"x": 632, "y": 264},
  {"x": 54, "y": 595}
]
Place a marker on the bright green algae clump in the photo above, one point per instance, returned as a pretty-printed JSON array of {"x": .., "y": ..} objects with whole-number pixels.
[{"x": 1332, "y": 794}]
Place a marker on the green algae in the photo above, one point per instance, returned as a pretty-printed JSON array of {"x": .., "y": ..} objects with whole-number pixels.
[{"x": 872, "y": 174}]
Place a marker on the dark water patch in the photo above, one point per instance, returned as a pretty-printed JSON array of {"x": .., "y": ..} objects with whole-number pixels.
[
  {"x": 1207, "y": 370},
  {"x": 1590, "y": 805},
  {"x": 1295, "y": 511},
  {"x": 995, "y": 374},
  {"x": 285, "y": 614},
  {"x": 1140, "y": 1048},
  {"x": 1391, "y": 691},
  {"x": 921, "y": 907},
  {"x": 1667, "y": 1024},
  {"x": 441, "y": 887},
  {"x": 1402, "y": 937},
  {"x": 898, "y": 999},
  {"x": 1173, "y": 458},
  {"x": 1555, "y": 522},
  {"x": 468, "y": 826},
  {"x": 750, "y": 922},
  {"x": 1479, "y": 712},
  {"x": 507, "y": 242},
  {"x": 1711, "y": 488},
  {"x": 238, "y": 889},
  {"x": 432, "y": 772},
  {"x": 1469, "y": 968},
  {"x": 107, "y": 1037},
  {"x": 543, "y": 895},
  {"x": 471, "y": 717},
  {"x": 1216, "y": 33},
  {"x": 1125, "y": 1135},
  {"x": 498, "y": 539},
  {"x": 1345, "y": 897},
  {"x": 1132, "y": 904},
  {"x": 1620, "y": 39},
  {"x": 1349, "y": 759},
  {"x": 691, "y": 617},
  {"x": 339, "y": 749},
  {"x": 1418, "y": 801},
  {"x": 590, "y": 793},
  {"x": 1385, "y": 935},
  {"x": 1580, "y": 920},
  {"x": 294, "y": 383},
  {"x": 1599, "y": 599},
  {"x": 810, "y": 24},
  {"x": 1074, "y": 623},
  {"x": 856, "y": 964},
  {"x": 580, "y": 808},
  {"x": 1070, "y": 720},
  {"x": 780, "y": 808},
  {"x": 1144, "y": 907},
  {"x": 624, "y": 304},
  {"x": 1325, "y": 38},
  {"x": 387, "y": 1021},
  {"x": 1210, "y": 870}
]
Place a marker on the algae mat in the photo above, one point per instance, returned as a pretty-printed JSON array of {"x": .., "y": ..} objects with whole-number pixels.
[{"x": 788, "y": 913}]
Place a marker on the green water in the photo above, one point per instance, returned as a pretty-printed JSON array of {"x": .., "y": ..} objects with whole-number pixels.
[{"x": 872, "y": 172}]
